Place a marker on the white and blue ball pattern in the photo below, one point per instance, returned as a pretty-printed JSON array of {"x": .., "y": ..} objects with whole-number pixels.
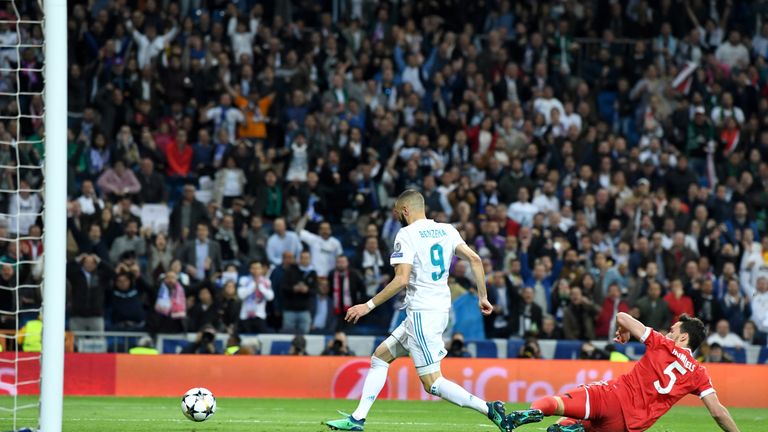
[{"x": 198, "y": 404}]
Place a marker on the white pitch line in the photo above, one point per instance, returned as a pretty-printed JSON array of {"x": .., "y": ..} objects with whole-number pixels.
[
  {"x": 126, "y": 420},
  {"x": 279, "y": 409},
  {"x": 243, "y": 421}
]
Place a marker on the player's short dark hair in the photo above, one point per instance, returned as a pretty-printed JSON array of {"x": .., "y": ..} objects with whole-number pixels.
[
  {"x": 695, "y": 329},
  {"x": 412, "y": 198}
]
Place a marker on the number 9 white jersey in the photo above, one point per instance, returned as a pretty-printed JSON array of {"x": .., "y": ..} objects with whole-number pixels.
[{"x": 429, "y": 246}]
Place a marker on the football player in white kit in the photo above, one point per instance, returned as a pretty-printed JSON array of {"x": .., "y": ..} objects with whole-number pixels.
[{"x": 423, "y": 251}]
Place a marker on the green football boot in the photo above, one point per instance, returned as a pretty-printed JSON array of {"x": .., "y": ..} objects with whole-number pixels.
[
  {"x": 519, "y": 418},
  {"x": 348, "y": 423},
  {"x": 576, "y": 427},
  {"x": 498, "y": 415}
]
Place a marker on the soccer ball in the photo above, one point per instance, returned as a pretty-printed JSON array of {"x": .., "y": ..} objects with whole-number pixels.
[{"x": 198, "y": 404}]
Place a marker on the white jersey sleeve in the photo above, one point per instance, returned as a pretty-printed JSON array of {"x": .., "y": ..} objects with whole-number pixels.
[
  {"x": 455, "y": 237},
  {"x": 404, "y": 251}
]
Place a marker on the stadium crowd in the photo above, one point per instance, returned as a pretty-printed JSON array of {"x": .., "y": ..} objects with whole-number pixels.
[{"x": 233, "y": 165}]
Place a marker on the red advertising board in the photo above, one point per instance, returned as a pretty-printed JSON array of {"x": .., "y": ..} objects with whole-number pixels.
[{"x": 342, "y": 377}]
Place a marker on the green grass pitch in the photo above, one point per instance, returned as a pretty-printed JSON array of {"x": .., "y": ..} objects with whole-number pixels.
[{"x": 90, "y": 414}]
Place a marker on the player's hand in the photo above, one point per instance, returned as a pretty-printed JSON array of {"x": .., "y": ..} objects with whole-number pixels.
[
  {"x": 622, "y": 336},
  {"x": 356, "y": 312},
  {"x": 486, "y": 308}
]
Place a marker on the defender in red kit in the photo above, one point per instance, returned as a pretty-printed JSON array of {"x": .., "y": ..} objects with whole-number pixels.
[{"x": 634, "y": 401}]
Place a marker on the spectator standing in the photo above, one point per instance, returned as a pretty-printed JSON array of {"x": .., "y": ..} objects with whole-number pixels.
[
  {"x": 130, "y": 242},
  {"x": 751, "y": 335},
  {"x": 323, "y": 317},
  {"x": 736, "y": 308},
  {"x": 740, "y": 222},
  {"x": 202, "y": 153},
  {"x": 90, "y": 203},
  {"x": 255, "y": 109},
  {"x": 160, "y": 257},
  {"x": 170, "y": 306},
  {"x": 201, "y": 257},
  {"x": 706, "y": 306},
  {"x": 522, "y": 211},
  {"x": 186, "y": 215},
  {"x": 371, "y": 263},
  {"x": 733, "y": 53},
  {"x": 88, "y": 278},
  {"x": 269, "y": 197},
  {"x": 725, "y": 110},
  {"x": 228, "y": 307},
  {"x": 128, "y": 293},
  {"x": 298, "y": 288},
  {"x": 225, "y": 116},
  {"x": 152, "y": 185},
  {"x": 605, "y": 324},
  {"x": 118, "y": 181},
  {"x": 204, "y": 312},
  {"x": 24, "y": 208},
  {"x": 126, "y": 148},
  {"x": 256, "y": 238},
  {"x": 94, "y": 243},
  {"x": 241, "y": 36},
  {"x": 324, "y": 247},
  {"x": 33, "y": 244},
  {"x": 539, "y": 279},
  {"x": 654, "y": 310},
  {"x": 254, "y": 290},
  {"x": 679, "y": 303},
  {"x": 179, "y": 155},
  {"x": 149, "y": 44},
  {"x": 229, "y": 184},
  {"x": 347, "y": 288},
  {"x": 281, "y": 241},
  {"x": 759, "y": 305},
  {"x": 526, "y": 316},
  {"x": 724, "y": 337},
  {"x": 579, "y": 317}
]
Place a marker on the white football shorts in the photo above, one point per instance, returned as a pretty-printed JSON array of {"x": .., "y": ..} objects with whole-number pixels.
[{"x": 422, "y": 335}]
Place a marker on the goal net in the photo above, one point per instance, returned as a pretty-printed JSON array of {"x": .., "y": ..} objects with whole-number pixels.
[{"x": 22, "y": 183}]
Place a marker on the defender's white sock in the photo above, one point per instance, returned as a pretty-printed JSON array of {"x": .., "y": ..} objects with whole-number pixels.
[
  {"x": 456, "y": 394},
  {"x": 374, "y": 382}
]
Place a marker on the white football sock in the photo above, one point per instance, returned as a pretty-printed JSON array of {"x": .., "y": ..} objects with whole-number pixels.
[
  {"x": 374, "y": 382},
  {"x": 456, "y": 394}
]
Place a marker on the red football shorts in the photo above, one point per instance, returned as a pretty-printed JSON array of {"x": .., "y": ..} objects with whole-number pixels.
[{"x": 598, "y": 406}]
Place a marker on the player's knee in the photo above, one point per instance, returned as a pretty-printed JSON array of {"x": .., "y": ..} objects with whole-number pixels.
[
  {"x": 547, "y": 405},
  {"x": 427, "y": 387},
  {"x": 382, "y": 352},
  {"x": 377, "y": 362},
  {"x": 429, "y": 383},
  {"x": 389, "y": 350},
  {"x": 429, "y": 376}
]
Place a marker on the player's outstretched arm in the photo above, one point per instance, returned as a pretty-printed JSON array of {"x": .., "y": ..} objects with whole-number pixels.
[
  {"x": 476, "y": 264},
  {"x": 628, "y": 326},
  {"x": 719, "y": 413},
  {"x": 400, "y": 281}
]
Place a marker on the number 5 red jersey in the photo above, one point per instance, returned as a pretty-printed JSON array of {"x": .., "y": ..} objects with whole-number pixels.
[{"x": 664, "y": 375}]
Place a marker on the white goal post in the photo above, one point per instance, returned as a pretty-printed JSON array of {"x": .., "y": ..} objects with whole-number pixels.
[{"x": 55, "y": 215}]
